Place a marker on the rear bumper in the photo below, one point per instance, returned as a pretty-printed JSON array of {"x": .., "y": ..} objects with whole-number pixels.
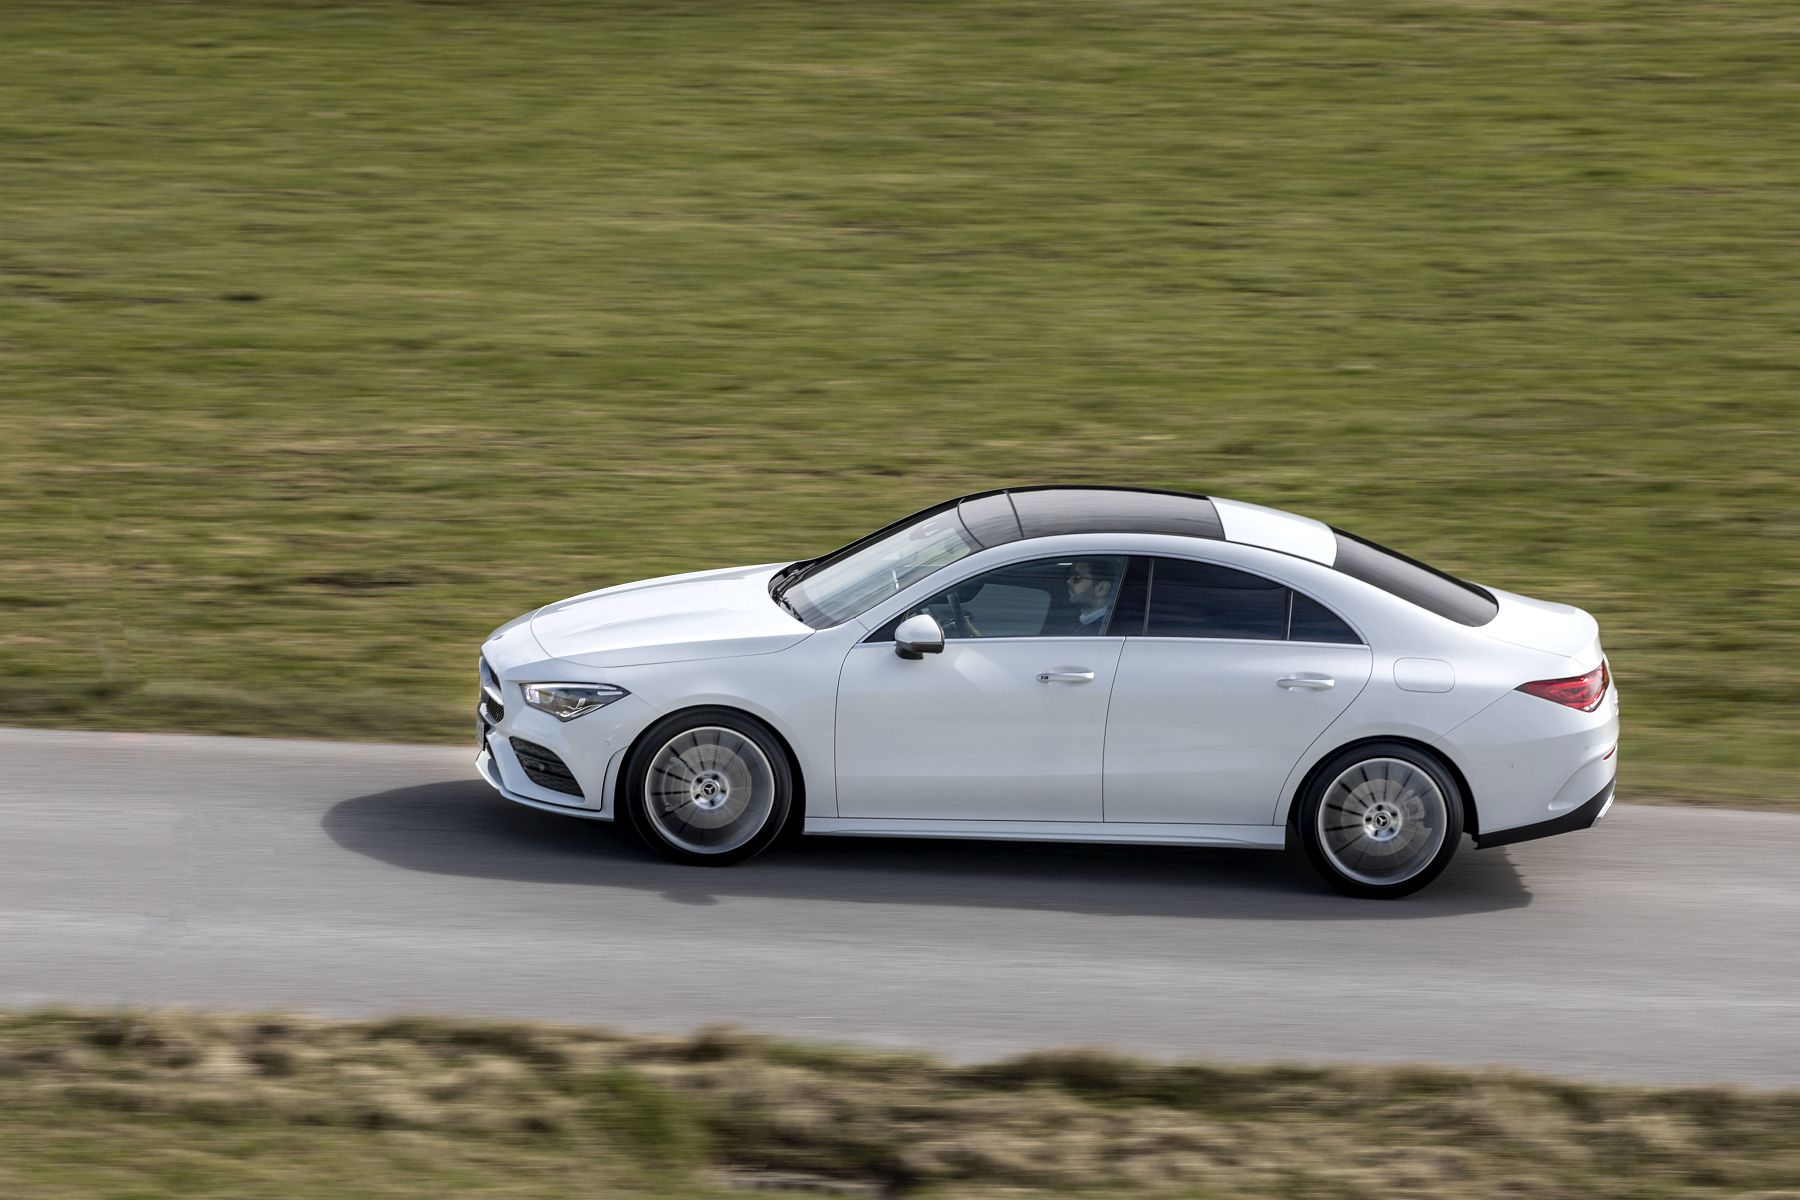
[
  {"x": 1534, "y": 767},
  {"x": 1576, "y": 818}
]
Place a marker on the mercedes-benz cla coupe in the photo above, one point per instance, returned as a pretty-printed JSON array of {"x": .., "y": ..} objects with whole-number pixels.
[{"x": 1065, "y": 664}]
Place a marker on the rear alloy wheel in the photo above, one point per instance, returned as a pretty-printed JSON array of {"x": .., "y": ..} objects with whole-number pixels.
[
  {"x": 711, "y": 787},
  {"x": 1381, "y": 820}
]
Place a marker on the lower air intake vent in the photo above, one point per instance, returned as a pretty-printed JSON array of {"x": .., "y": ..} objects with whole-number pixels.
[{"x": 543, "y": 768}]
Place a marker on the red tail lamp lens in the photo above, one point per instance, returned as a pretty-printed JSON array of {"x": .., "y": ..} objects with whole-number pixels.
[{"x": 1578, "y": 691}]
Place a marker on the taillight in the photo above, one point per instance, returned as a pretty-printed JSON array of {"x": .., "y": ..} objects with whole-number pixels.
[{"x": 1577, "y": 691}]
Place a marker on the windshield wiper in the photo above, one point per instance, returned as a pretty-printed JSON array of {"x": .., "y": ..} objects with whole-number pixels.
[
  {"x": 787, "y": 605},
  {"x": 787, "y": 577}
]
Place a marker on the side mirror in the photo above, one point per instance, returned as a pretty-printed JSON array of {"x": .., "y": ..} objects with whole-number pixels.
[{"x": 919, "y": 635}]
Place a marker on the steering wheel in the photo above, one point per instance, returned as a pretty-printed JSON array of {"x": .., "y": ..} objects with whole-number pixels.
[{"x": 956, "y": 610}]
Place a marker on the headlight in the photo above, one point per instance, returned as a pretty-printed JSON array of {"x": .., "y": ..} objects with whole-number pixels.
[{"x": 566, "y": 701}]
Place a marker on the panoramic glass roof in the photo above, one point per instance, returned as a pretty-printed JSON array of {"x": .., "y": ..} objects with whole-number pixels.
[{"x": 998, "y": 517}]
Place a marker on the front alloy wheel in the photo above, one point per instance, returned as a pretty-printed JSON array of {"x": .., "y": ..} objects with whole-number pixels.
[
  {"x": 712, "y": 787},
  {"x": 1382, "y": 820}
]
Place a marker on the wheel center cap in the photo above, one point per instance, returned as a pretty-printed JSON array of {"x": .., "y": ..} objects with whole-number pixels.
[
  {"x": 709, "y": 791},
  {"x": 1381, "y": 822}
]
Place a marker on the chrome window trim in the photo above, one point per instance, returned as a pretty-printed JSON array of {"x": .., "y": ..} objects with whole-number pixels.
[{"x": 1243, "y": 641}]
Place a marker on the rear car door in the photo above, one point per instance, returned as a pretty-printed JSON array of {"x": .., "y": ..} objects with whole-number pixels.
[{"x": 1232, "y": 677}]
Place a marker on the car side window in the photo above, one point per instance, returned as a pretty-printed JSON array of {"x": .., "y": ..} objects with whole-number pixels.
[
  {"x": 1203, "y": 600},
  {"x": 1070, "y": 596},
  {"x": 1206, "y": 600},
  {"x": 1311, "y": 621}
]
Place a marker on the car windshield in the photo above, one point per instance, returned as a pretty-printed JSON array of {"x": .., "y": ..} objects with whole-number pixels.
[{"x": 848, "y": 586}]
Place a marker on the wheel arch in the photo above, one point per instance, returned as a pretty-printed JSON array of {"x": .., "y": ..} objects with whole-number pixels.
[
  {"x": 796, "y": 810},
  {"x": 1471, "y": 817}
]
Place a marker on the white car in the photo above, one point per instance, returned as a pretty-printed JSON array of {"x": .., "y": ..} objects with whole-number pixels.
[{"x": 1073, "y": 664}]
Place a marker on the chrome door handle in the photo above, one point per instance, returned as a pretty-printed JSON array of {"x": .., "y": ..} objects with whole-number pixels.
[
  {"x": 1316, "y": 683},
  {"x": 1066, "y": 677}
]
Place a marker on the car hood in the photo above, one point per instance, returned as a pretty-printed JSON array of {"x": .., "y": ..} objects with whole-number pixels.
[{"x": 678, "y": 618}]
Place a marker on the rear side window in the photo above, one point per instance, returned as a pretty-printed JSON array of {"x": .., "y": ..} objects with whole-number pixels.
[
  {"x": 1311, "y": 621},
  {"x": 1411, "y": 580},
  {"x": 1204, "y": 600},
  {"x": 1201, "y": 600}
]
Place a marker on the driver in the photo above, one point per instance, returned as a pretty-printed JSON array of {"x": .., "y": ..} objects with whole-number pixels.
[{"x": 1092, "y": 597}]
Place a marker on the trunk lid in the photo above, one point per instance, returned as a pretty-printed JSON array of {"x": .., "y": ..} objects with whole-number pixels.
[{"x": 1541, "y": 625}]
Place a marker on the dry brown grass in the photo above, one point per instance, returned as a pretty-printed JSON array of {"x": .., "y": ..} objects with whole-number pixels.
[{"x": 727, "y": 1106}]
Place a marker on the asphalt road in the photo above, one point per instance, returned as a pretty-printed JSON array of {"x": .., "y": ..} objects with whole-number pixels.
[{"x": 348, "y": 880}]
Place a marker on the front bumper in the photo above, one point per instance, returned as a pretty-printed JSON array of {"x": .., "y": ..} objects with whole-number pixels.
[
  {"x": 490, "y": 771},
  {"x": 532, "y": 758}
]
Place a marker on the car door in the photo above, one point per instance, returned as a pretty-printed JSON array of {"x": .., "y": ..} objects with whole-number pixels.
[
  {"x": 1008, "y": 723},
  {"x": 1234, "y": 676}
]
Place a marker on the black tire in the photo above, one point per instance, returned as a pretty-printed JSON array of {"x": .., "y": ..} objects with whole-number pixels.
[
  {"x": 1381, "y": 795},
  {"x": 708, "y": 757}
]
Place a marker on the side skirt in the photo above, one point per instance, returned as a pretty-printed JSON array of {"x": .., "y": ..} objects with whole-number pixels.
[{"x": 1255, "y": 837}]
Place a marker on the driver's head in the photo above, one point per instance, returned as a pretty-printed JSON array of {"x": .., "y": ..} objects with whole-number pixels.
[{"x": 1087, "y": 591}]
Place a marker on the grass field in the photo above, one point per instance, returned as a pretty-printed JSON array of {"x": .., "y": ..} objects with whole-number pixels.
[
  {"x": 154, "y": 1105},
  {"x": 332, "y": 334}
]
